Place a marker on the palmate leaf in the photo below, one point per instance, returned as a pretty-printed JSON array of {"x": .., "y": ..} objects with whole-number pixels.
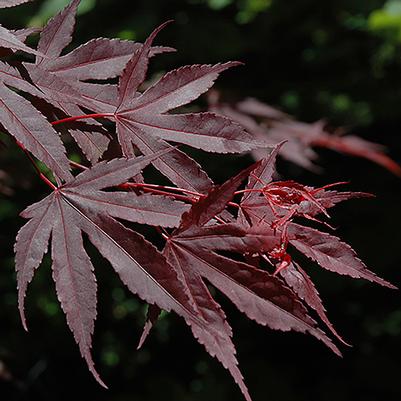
[
  {"x": 142, "y": 119},
  {"x": 253, "y": 291},
  {"x": 79, "y": 206},
  {"x": 58, "y": 77},
  {"x": 195, "y": 262},
  {"x": 192, "y": 251},
  {"x": 328, "y": 251}
]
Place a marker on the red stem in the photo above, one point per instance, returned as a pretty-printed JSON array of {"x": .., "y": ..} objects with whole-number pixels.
[
  {"x": 145, "y": 188},
  {"x": 83, "y": 117},
  {"x": 162, "y": 190},
  {"x": 77, "y": 165},
  {"x": 31, "y": 159}
]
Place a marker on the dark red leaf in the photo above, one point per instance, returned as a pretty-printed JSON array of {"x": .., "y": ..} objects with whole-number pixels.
[
  {"x": 99, "y": 58},
  {"x": 179, "y": 168},
  {"x": 152, "y": 315},
  {"x": 10, "y": 41},
  {"x": 215, "y": 202},
  {"x": 141, "y": 267},
  {"x": 216, "y": 335},
  {"x": 331, "y": 253},
  {"x": 30, "y": 128},
  {"x": 355, "y": 146},
  {"x": 259, "y": 295},
  {"x": 57, "y": 33},
  {"x": 302, "y": 285}
]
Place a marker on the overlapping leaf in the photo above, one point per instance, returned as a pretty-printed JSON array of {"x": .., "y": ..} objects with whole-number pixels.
[
  {"x": 10, "y": 41},
  {"x": 141, "y": 120},
  {"x": 80, "y": 206},
  {"x": 58, "y": 77},
  {"x": 255, "y": 292},
  {"x": 259, "y": 206}
]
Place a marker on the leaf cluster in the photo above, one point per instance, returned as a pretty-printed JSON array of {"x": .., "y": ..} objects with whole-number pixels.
[{"x": 236, "y": 237}]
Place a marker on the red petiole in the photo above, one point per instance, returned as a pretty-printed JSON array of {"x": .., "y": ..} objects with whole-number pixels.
[{"x": 83, "y": 117}]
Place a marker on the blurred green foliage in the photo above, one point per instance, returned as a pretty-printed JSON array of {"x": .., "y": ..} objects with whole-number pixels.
[
  {"x": 49, "y": 8},
  {"x": 337, "y": 59}
]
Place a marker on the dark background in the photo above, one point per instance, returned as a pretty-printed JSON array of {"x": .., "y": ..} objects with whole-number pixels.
[{"x": 337, "y": 59}]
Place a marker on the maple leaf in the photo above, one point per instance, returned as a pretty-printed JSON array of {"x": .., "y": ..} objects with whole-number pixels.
[
  {"x": 256, "y": 206},
  {"x": 80, "y": 206},
  {"x": 193, "y": 249},
  {"x": 355, "y": 146},
  {"x": 142, "y": 119},
  {"x": 57, "y": 77}
]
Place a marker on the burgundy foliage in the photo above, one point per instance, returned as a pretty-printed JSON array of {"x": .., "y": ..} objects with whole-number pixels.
[
  {"x": 236, "y": 237},
  {"x": 269, "y": 124}
]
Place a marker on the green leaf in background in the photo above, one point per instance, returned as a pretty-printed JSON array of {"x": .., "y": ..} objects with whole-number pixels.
[
  {"x": 387, "y": 20},
  {"x": 52, "y": 7},
  {"x": 219, "y": 4},
  {"x": 249, "y": 9}
]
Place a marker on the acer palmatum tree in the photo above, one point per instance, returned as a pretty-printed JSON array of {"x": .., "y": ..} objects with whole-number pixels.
[{"x": 236, "y": 237}]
